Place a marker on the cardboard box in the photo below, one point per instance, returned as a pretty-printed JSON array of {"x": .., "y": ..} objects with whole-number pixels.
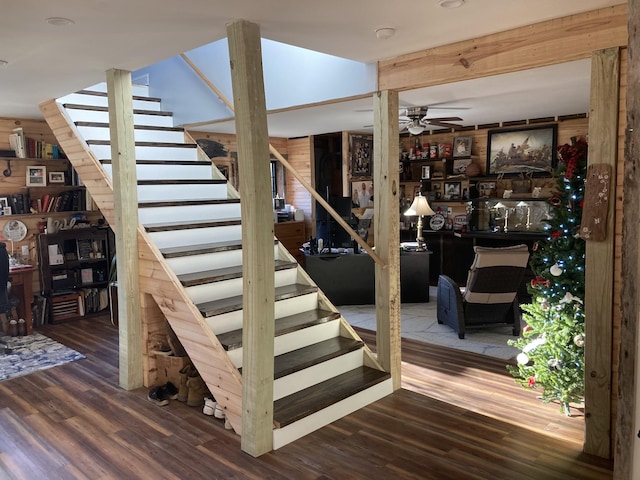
[{"x": 169, "y": 368}]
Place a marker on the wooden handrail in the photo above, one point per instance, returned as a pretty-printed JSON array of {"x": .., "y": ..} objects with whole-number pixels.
[{"x": 294, "y": 172}]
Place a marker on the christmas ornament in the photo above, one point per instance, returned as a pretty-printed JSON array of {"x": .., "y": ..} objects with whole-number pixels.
[
  {"x": 545, "y": 305},
  {"x": 554, "y": 364},
  {"x": 555, "y": 270},
  {"x": 527, "y": 329},
  {"x": 568, "y": 298},
  {"x": 536, "y": 343},
  {"x": 532, "y": 381},
  {"x": 579, "y": 340},
  {"x": 522, "y": 359}
]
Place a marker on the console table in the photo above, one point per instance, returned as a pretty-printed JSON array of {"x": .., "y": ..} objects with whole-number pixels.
[{"x": 349, "y": 279}]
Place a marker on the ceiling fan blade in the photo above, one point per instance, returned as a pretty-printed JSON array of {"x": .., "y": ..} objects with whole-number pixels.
[
  {"x": 444, "y": 119},
  {"x": 444, "y": 124}
]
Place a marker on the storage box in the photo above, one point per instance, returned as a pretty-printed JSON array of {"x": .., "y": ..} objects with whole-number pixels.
[{"x": 169, "y": 368}]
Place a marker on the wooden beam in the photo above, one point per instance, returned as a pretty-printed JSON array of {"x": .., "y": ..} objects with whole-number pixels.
[
  {"x": 603, "y": 137},
  {"x": 257, "y": 237},
  {"x": 627, "y": 444},
  {"x": 386, "y": 232},
  {"x": 125, "y": 195},
  {"x": 547, "y": 43}
]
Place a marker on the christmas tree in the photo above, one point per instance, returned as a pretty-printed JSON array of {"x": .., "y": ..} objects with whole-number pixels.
[{"x": 552, "y": 341}]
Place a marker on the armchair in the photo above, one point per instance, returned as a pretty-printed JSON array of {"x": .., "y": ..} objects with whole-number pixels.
[{"x": 490, "y": 296}]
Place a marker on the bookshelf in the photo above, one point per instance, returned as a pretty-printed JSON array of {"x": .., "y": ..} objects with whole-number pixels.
[{"x": 74, "y": 272}]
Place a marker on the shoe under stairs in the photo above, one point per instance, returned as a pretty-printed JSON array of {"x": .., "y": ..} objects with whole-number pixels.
[{"x": 190, "y": 255}]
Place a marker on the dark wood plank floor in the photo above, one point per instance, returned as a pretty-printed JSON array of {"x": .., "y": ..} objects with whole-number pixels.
[{"x": 458, "y": 416}]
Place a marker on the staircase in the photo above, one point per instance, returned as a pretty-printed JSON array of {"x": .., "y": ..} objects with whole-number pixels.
[{"x": 190, "y": 254}]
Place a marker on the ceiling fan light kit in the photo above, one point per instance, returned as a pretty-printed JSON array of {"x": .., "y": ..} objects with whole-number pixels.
[{"x": 416, "y": 129}]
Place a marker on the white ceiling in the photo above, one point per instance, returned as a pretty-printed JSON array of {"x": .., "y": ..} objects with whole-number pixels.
[{"x": 46, "y": 61}]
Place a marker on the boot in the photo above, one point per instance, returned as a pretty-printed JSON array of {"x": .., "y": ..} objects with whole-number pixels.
[
  {"x": 13, "y": 328},
  {"x": 22, "y": 327},
  {"x": 197, "y": 391},
  {"x": 183, "y": 389}
]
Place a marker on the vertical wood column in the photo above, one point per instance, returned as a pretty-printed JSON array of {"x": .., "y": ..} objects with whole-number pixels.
[
  {"x": 125, "y": 197},
  {"x": 387, "y": 231},
  {"x": 257, "y": 237},
  {"x": 627, "y": 443},
  {"x": 603, "y": 137}
]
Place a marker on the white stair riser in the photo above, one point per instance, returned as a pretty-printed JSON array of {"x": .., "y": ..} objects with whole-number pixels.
[
  {"x": 294, "y": 340},
  {"x": 99, "y": 101},
  {"x": 311, "y": 423},
  {"x": 318, "y": 373},
  {"x": 233, "y": 320},
  {"x": 169, "y": 172},
  {"x": 80, "y": 115},
  {"x": 196, "y": 236},
  {"x": 231, "y": 288},
  {"x": 150, "y": 153},
  {"x": 136, "y": 89},
  {"x": 188, "y": 213},
  {"x": 207, "y": 261},
  {"x": 174, "y": 193},
  {"x": 140, "y": 135}
]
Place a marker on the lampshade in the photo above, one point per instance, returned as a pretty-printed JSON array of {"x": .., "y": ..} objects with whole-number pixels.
[
  {"x": 419, "y": 207},
  {"x": 416, "y": 129}
]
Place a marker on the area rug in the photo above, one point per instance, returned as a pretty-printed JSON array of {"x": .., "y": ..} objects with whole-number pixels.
[
  {"x": 418, "y": 322},
  {"x": 31, "y": 353}
]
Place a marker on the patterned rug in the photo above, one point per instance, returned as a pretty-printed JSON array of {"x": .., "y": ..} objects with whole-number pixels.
[{"x": 31, "y": 353}]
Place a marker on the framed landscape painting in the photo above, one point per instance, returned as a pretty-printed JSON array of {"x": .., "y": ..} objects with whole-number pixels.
[{"x": 531, "y": 149}]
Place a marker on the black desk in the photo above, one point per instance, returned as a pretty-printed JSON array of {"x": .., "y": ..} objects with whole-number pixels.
[{"x": 348, "y": 279}]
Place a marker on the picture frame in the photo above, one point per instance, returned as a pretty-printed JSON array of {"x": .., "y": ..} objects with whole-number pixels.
[
  {"x": 459, "y": 165},
  {"x": 361, "y": 150},
  {"x": 452, "y": 190},
  {"x": 486, "y": 189},
  {"x": 462, "y": 147},
  {"x": 426, "y": 172},
  {"x": 7, "y": 211},
  {"x": 530, "y": 149},
  {"x": 362, "y": 191},
  {"x": 4, "y": 202},
  {"x": 56, "y": 177},
  {"x": 36, "y": 176}
]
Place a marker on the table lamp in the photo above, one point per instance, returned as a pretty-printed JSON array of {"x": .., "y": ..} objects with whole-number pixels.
[{"x": 419, "y": 207}]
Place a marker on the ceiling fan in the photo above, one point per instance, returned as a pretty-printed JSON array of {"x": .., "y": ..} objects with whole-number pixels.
[{"x": 415, "y": 120}]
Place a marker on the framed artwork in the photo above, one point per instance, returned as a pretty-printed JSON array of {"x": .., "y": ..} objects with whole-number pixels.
[
  {"x": 56, "y": 177},
  {"x": 361, "y": 155},
  {"x": 36, "y": 176},
  {"x": 459, "y": 165},
  {"x": 362, "y": 193},
  {"x": 426, "y": 172},
  {"x": 461, "y": 147},
  {"x": 4, "y": 202},
  {"x": 452, "y": 190},
  {"x": 522, "y": 150}
]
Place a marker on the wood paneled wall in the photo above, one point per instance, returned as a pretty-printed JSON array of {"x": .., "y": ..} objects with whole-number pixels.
[{"x": 301, "y": 158}]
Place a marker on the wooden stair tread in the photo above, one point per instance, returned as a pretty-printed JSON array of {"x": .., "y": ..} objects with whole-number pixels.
[
  {"x": 313, "y": 399},
  {"x": 135, "y": 127},
  {"x": 148, "y": 144},
  {"x": 169, "y": 226},
  {"x": 176, "y": 203},
  {"x": 94, "y": 108},
  {"x": 107, "y": 161},
  {"x": 199, "y": 181},
  {"x": 231, "y": 304},
  {"x": 305, "y": 357},
  {"x": 203, "y": 248},
  {"x": 95, "y": 93},
  {"x": 233, "y": 339},
  {"x": 220, "y": 274}
]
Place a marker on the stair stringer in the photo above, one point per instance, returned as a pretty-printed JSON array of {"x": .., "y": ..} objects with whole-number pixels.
[{"x": 156, "y": 278}]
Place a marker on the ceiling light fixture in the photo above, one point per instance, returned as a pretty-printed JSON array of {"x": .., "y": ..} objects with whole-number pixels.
[
  {"x": 59, "y": 21},
  {"x": 451, "y": 3},
  {"x": 416, "y": 129},
  {"x": 385, "y": 32}
]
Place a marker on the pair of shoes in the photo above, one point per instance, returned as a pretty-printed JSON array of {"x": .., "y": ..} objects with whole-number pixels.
[
  {"x": 22, "y": 327},
  {"x": 210, "y": 406},
  {"x": 159, "y": 344},
  {"x": 13, "y": 328},
  {"x": 186, "y": 372},
  {"x": 162, "y": 394},
  {"x": 197, "y": 390},
  {"x": 218, "y": 412}
]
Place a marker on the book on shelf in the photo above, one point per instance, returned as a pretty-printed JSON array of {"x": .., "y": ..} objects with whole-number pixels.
[{"x": 17, "y": 142}]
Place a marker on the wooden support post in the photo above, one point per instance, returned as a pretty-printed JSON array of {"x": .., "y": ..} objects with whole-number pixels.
[
  {"x": 387, "y": 232},
  {"x": 125, "y": 195},
  {"x": 257, "y": 237},
  {"x": 627, "y": 443},
  {"x": 603, "y": 138}
]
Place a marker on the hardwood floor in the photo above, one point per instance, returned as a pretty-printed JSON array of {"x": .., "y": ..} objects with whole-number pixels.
[{"x": 458, "y": 416}]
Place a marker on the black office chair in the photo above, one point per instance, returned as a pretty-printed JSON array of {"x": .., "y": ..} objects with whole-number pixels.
[{"x": 5, "y": 307}]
